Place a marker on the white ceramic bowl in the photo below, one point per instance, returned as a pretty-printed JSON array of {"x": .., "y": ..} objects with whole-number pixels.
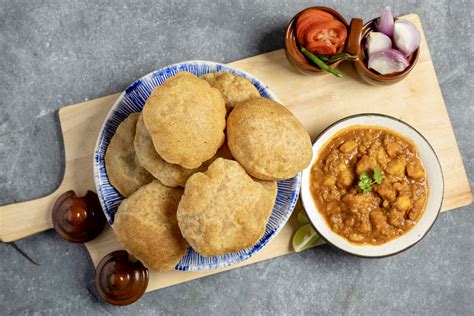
[{"x": 435, "y": 183}]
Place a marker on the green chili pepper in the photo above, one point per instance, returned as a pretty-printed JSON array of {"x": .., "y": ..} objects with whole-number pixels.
[
  {"x": 329, "y": 59},
  {"x": 318, "y": 62}
]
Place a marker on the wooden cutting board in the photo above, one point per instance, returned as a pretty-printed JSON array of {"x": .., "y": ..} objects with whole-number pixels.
[{"x": 317, "y": 101}]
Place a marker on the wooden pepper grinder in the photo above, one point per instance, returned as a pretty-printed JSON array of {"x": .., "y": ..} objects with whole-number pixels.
[
  {"x": 119, "y": 279},
  {"x": 78, "y": 219}
]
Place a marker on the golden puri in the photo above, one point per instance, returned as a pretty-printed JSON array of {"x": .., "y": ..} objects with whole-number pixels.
[
  {"x": 268, "y": 140},
  {"x": 169, "y": 174},
  {"x": 146, "y": 226},
  {"x": 185, "y": 117},
  {"x": 224, "y": 210},
  {"x": 234, "y": 89},
  {"x": 123, "y": 170}
]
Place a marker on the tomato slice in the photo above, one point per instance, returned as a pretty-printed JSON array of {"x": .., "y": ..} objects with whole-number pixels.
[
  {"x": 325, "y": 38},
  {"x": 321, "y": 48},
  {"x": 307, "y": 18},
  {"x": 316, "y": 15}
]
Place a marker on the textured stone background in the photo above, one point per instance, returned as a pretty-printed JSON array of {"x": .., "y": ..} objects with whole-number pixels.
[{"x": 55, "y": 53}]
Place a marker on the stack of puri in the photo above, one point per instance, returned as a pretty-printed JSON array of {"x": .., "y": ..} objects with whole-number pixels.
[{"x": 198, "y": 167}]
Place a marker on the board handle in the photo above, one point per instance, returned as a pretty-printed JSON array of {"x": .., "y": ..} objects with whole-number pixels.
[{"x": 23, "y": 219}]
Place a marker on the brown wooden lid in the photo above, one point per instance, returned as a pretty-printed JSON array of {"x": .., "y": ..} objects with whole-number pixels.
[
  {"x": 119, "y": 280},
  {"x": 78, "y": 219}
]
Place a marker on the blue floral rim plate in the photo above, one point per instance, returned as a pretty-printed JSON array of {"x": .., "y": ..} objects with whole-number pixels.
[{"x": 132, "y": 100}]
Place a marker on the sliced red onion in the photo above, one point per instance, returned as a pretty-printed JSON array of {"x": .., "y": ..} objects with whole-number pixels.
[
  {"x": 377, "y": 41},
  {"x": 384, "y": 23},
  {"x": 406, "y": 37},
  {"x": 388, "y": 61}
]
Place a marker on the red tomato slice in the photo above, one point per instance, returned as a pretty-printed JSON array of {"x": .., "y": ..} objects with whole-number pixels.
[
  {"x": 325, "y": 38},
  {"x": 307, "y": 18},
  {"x": 316, "y": 15},
  {"x": 321, "y": 49}
]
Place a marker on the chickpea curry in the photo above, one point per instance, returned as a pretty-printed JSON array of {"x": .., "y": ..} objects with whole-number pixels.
[{"x": 369, "y": 184}]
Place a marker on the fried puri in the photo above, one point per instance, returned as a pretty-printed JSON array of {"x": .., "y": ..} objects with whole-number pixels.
[
  {"x": 234, "y": 89},
  {"x": 223, "y": 210},
  {"x": 146, "y": 226},
  {"x": 270, "y": 186},
  {"x": 268, "y": 140},
  {"x": 169, "y": 174},
  {"x": 124, "y": 172},
  {"x": 185, "y": 117}
]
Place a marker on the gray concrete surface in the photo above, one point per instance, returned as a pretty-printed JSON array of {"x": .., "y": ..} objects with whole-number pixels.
[{"x": 54, "y": 53}]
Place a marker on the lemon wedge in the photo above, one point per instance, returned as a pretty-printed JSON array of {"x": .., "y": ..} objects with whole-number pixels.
[
  {"x": 304, "y": 238},
  {"x": 302, "y": 219}
]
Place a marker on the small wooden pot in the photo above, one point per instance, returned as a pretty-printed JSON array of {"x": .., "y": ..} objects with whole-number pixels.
[
  {"x": 296, "y": 58},
  {"x": 355, "y": 45},
  {"x": 360, "y": 64}
]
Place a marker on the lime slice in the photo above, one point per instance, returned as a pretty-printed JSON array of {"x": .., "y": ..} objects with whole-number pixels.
[
  {"x": 302, "y": 219},
  {"x": 304, "y": 238}
]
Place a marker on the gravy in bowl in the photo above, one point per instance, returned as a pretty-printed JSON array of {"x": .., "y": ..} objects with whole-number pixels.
[{"x": 369, "y": 184}]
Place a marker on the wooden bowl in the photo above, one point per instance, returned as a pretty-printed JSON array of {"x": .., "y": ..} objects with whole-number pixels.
[
  {"x": 370, "y": 76},
  {"x": 295, "y": 57}
]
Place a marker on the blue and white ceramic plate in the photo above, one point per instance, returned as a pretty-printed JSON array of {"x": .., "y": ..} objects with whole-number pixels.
[{"x": 132, "y": 100}]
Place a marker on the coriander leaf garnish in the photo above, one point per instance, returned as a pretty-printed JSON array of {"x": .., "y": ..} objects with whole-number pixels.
[
  {"x": 365, "y": 180},
  {"x": 378, "y": 176},
  {"x": 365, "y": 183}
]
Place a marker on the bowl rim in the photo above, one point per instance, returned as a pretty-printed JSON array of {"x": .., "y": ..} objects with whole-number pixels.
[
  {"x": 409, "y": 245},
  {"x": 224, "y": 261},
  {"x": 290, "y": 38}
]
